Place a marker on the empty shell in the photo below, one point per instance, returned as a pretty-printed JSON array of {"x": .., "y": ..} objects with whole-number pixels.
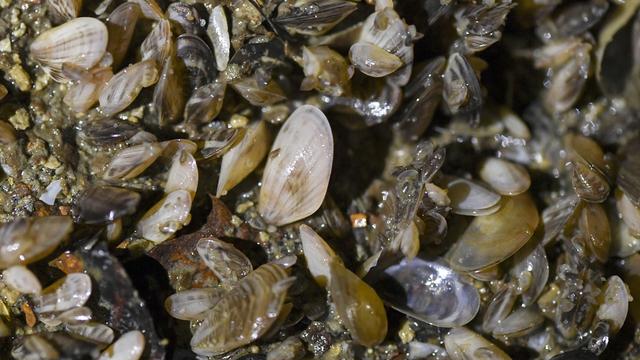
[{"x": 297, "y": 173}]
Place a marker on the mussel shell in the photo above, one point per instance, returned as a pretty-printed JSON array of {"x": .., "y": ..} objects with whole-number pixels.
[
  {"x": 103, "y": 204},
  {"x": 108, "y": 132},
  {"x": 198, "y": 60},
  {"x": 430, "y": 292},
  {"x": 121, "y": 23},
  {"x": 245, "y": 313},
  {"x": 185, "y": 16},
  {"x": 81, "y": 42},
  {"x": 491, "y": 239}
]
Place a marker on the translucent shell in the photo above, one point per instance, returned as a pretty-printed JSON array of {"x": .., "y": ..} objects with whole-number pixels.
[{"x": 491, "y": 239}]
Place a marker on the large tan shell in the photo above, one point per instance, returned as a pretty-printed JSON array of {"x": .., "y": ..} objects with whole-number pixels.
[
  {"x": 245, "y": 313},
  {"x": 81, "y": 42},
  {"x": 493, "y": 238},
  {"x": 296, "y": 176}
]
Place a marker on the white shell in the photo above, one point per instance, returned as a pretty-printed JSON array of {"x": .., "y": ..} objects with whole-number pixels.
[
  {"x": 227, "y": 263},
  {"x": 471, "y": 199},
  {"x": 463, "y": 344},
  {"x": 373, "y": 60},
  {"x": 192, "y": 304},
  {"x": 629, "y": 212},
  {"x": 92, "y": 331},
  {"x": 128, "y": 347},
  {"x": 132, "y": 161},
  {"x": 74, "y": 291},
  {"x": 505, "y": 177},
  {"x": 243, "y": 158},
  {"x": 21, "y": 279},
  {"x": 616, "y": 302},
  {"x": 166, "y": 217},
  {"x": 218, "y": 32},
  {"x": 81, "y": 42},
  {"x": 125, "y": 86},
  {"x": 183, "y": 174},
  {"x": 318, "y": 255},
  {"x": 623, "y": 243},
  {"x": 296, "y": 176}
]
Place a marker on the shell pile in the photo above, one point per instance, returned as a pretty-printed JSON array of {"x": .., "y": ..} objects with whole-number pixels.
[{"x": 331, "y": 179}]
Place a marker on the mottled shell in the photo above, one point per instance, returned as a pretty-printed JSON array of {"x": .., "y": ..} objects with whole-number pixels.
[
  {"x": 245, "y": 313},
  {"x": 81, "y": 42},
  {"x": 227, "y": 263},
  {"x": 296, "y": 176},
  {"x": 491, "y": 239},
  {"x": 103, "y": 204},
  {"x": 243, "y": 158},
  {"x": 63, "y": 10},
  {"x": 132, "y": 161},
  {"x": 125, "y": 86},
  {"x": 360, "y": 309}
]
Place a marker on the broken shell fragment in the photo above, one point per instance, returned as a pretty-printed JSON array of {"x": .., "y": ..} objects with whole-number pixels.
[
  {"x": 361, "y": 310},
  {"x": 491, "y": 239},
  {"x": 297, "y": 173},
  {"x": 81, "y": 42},
  {"x": 243, "y": 314}
]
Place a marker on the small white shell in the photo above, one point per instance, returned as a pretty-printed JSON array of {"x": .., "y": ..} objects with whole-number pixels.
[
  {"x": 132, "y": 161},
  {"x": 183, "y": 174},
  {"x": 21, "y": 279},
  {"x": 128, "y": 347},
  {"x": 616, "y": 303},
  {"x": 471, "y": 199},
  {"x": 92, "y": 331},
  {"x": 243, "y": 158},
  {"x": 463, "y": 344},
  {"x": 125, "y": 86},
  {"x": 218, "y": 32},
  {"x": 318, "y": 255},
  {"x": 81, "y": 42},
  {"x": 373, "y": 60},
  {"x": 629, "y": 212},
  {"x": 71, "y": 291},
  {"x": 166, "y": 217},
  {"x": 296, "y": 176},
  {"x": 192, "y": 304},
  {"x": 505, "y": 177}
]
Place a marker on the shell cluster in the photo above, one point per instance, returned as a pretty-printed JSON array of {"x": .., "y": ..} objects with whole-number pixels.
[{"x": 332, "y": 179}]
